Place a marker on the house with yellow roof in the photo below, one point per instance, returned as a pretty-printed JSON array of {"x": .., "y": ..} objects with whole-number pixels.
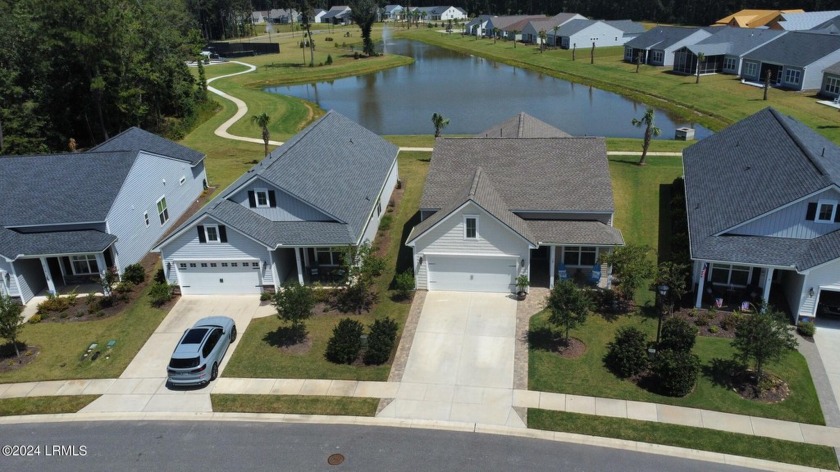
[{"x": 753, "y": 18}]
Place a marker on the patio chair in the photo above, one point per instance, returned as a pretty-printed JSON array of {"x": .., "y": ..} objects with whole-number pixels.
[
  {"x": 562, "y": 274},
  {"x": 595, "y": 277},
  {"x": 314, "y": 273}
]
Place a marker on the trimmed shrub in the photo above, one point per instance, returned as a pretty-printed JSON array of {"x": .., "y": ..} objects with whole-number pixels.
[
  {"x": 806, "y": 328},
  {"x": 404, "y": 284},
  {"x": 160, "y": 294},
  {"x": 160, "y": 277},
  {"x": 730, "y": 320},
  {"x": 385, "y": 223},
  {"x": 35, "y": 319},
  {"x": 329, "y": 60},
  {"x": 677, "y": 335},
  {"x": 356, "y": 298},
  {"x": 676, "y": 372},
  {"x": 383, "y": 334},
  {"x": 134, "y": 274},
  {"x": 627, "y": 354},
  {"x": 53, "y": 304},
  {"x": 346, "y": 342}
]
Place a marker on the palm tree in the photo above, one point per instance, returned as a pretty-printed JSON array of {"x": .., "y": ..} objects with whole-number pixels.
[
  {"x": 650, "y": 131},
  {"x": 543, "y": 38},
  {"x": 440, "y": 123},
  {"x": 262, "y": 120},
  {"x": 495, "y": 34},
  {"x": 515, "y": 32},
  {"x": 701, "y": 59},
  {"x": 557, "y": 27}
]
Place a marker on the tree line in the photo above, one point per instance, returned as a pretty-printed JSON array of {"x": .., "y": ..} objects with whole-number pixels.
[{"x": 88, "y": 70}]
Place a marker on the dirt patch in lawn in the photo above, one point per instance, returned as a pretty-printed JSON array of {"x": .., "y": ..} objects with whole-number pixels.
[
  {"x": 772, "y": 389},
  {"x": 9, "y": 360},
  {"x": 570, "y": 350}
]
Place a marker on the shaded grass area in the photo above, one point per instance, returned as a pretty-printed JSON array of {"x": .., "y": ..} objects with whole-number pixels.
[
  {"x": 685, "y": 436},
  {"x": 717, "y": 101},
  {"x": 294, "y": 404},
  {"x": 657, "y": 145},
  {"x": 44, "y": 405},
  {"x": 587, "y": 374},
  {"x": 62, "y": 344},
  {"x": 258, "y": 355}
]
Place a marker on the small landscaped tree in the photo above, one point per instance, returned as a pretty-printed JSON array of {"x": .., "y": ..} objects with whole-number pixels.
[
  {"x": 294, "y": 304},
  {"x": 650, "y": 131},
  {"x": 627, "y": 353},
  {"x": 495, "y": 34},
  {"x": 633, "y": 266},
  {"x": 11, "y": 320},
  {"x": 677, "y": 335},
  {"x": 543, "y": 38},
  {"x": 701, "y": 59},
  {"x": 568, "y": 306},
  {"x": 439, "y": 123},
  {"x": 263, "y": 120},
  {"x": 761, "y": 339},
  {"x": 675, "y": 276},
  {"x": 346, "y": 342}
]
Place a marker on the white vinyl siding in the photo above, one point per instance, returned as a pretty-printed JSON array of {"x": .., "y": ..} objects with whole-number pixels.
[
  {"x": 30, "y": 278},
  {"x": 288, "y": 207},
  {"x": 382, "y": 203}
]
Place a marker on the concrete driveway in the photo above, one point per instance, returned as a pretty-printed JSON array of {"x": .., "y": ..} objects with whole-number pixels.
[
  {"x": 827, "y": 339},
  {"x": 142, "y": 386},
  {"x": 460, "y": 367}
]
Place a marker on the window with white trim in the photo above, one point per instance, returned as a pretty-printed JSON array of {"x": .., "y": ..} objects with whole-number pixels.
[
  {"x": 85, "y": 264},
  {"x": 580, "y": 255},
  {"x": 832, "y": 85},
  {"x": 234, "y": 264},
  {"x": 211, "y": 233},
  {"x": 146, "y": 218},
  {"x": 182, "y": 265},
  {"x": 261, "y": 197},
  {"x": 255, "y": 264},
  {"x": 163, "y": 211},
  {"x": 826, "y": 211},
  {"x": 213, "y": 264},
  {"x": 793, "y": 76},
  {"x": 470, "y": 227},
  {"x": 730, "y": 275},
  {"x": 656, "y": 56},
  {"x": 729, "y": 63},
  {"x": 628, "y": 54},
  {"x": 750, "y": 69},
  {"x": 329, "y": 256},
  {"x": 192, "y": 264},
  {"x": 378, "y": 208}
]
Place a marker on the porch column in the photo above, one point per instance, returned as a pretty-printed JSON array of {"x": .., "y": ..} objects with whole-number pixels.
[
  {"x": 551, "y": 270},
  {"x": 63, "y": 272},
  {"x": 47, "y": 275},
  {"x": 299, "y": 268},
  {"x": 768, "y": 279},
  {"x": 274, "y": 275},
  {"x": 100, "y": 262},
  {"x": 700, "y": 286},
  {"x": 305, "y": 256}
]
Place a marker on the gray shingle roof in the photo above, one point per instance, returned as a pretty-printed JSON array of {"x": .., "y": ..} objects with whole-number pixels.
[
  {"x": 573, "y": 232},
  {"x": 628, "y": 26},
  {"x": 833, "y": 69},
  {"x": 335, "y": 165},
  {"x": 660, "y": 37},
  {"x": 13, "y": 243},
  {"x": 135, "y": 139},
  {"x": 574, "y": 26},
  {"x": 762, "y": 162},
  {"x": 737, "y": 41},
  {"x": 806, "y": 20},
  {"x": 796, "y": 48},
  {"x": 535, "y": 174},
  {"x": 61, "y": 188},
  {"x": 523, "y": 125}
]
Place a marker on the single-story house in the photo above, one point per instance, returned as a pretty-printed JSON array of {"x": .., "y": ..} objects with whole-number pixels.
[
  {"x": 66, "y": 218},
  {"x": 338, "y": 15},
  {"x": 393, "y": 13},
  {"x": 795, "y": 60},
  {"x": 723, "y": 51},
  {"x": 284, "y": 16},
  {"x": 478, "y": 26},
  {"x": 441, "y": 13},
  {"x": 763, "y": 208},
  {"x": 657, "y": 46},
  {"x": 585, "y": 33},
  {"x": 531, "y": 30},
  {"x": 801, "y": 20},
  {"x": 259, "y": 17},
  {"x": 496, "y": 208},
  {"x": 831, "y": 81},
  {"x": 290, "y": 217},
  {"x": 631, "y": 28},
  {"x": 319, "y": 14},
  {"x": 753, "y": 18},
  {"x": 509, "y": 27}
]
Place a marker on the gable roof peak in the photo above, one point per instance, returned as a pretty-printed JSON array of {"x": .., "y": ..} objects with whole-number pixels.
[{"x": 794, "y": 136}]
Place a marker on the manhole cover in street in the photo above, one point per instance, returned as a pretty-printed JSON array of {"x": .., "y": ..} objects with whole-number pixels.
[{"x": 335, "y": 459}]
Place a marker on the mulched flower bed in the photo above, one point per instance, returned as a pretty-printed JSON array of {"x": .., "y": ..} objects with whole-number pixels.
[
  {"x": 9, "y": 360},
  {"x": 712, "y": 323},
  {"x": 775, "y": 389}
]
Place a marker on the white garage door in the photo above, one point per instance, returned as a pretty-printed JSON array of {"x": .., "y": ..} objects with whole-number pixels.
[
  {"x": 471, "y": 274},
  {"x": 218, "y": 277}
]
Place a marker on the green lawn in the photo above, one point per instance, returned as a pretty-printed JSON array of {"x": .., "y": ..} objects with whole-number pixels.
[
  {"x": 717, "y": 101},
  {"x": 302, "y": 405},
  {"x": 587, "y": 375},
  {"x": 775, "y": 450},
  {"x": 62, "y": 344},
  {"x": 44, "y": 405},
  {"x": 255, "y": 357}
]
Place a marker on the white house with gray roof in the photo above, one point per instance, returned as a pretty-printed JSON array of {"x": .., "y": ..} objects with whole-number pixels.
[
  {"x": 290, "y": 217},
  {"x": 763, "y": 205},
  {"x": 795, "y": 60},
  {"x": 656, "y": 47},
  {"x": 531, "y": 30},
  {"x": 723, "y": 51},
  {"x": 66, "y": 218},
  {"x": 586, "y": 33},
  {"x": 496, "y": 208}
]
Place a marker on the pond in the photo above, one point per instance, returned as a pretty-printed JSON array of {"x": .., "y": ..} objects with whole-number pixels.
[{"x": 474, "y": 94}]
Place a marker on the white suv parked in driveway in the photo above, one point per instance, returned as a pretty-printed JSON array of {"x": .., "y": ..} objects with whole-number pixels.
[{"x": 198, "y": 354}]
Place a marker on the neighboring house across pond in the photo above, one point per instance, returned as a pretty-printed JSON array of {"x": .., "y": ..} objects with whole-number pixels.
[
  {"x": 259, "y": 17},
  {"x": 584, "y": 33},
  {"x": 723, "y": 51},
  {"x": 319, "y": 15},
  {"x": 441, "y": 13},
  {"x": 796, "y": 60},
  {"x": 509, "y": 27},
  {"x": 66, "y": 218},
  {"x": 290, "y": 217},
  {"x": 531, "y": 30},
  {"x": 338, "y": 15},
  {"x": 764, "y": 221},
  {"x": 630, "y": 28},
  {"x": 284, "y": 16},
  {"x": 496, "y": 208},
  {"x": 753, "y": 18},
  {"x": 831, "y": 81},
  {"x": 478, "y": 26},
  {"x": 801, "y": 21},
  {"x": 656, "y": 47},
  {"x": 393, "y": 13}
]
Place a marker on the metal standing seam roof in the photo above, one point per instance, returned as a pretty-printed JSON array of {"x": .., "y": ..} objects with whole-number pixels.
[
  {"x": 136, "y": 139},
  {"x": 334, "y": 165},
  {"x": 791, "y": 162},
  {"x": 523, "y": 125},
  {"x": 796, "y": 48},
  {"x": 538, "y": 174}
]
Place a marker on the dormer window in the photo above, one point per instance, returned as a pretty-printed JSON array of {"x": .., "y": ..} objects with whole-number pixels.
[
  {"x": 824, "y": 211},
  {"x": 470, "y": 227},
  {"x": 262, "y": 197}
]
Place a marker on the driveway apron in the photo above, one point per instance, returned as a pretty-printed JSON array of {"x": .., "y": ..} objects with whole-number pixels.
[
  {"x": 142, "y": 386},
  {"x": 827, "y": 339},
  {"x": 460, "y": 367}
]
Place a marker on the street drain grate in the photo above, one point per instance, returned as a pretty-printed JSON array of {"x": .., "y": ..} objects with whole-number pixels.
[{"x": 335, "y": 459}]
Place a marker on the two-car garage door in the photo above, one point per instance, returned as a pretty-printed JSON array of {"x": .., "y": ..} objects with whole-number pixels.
[
  {"x": 471, "y": 274},
  {"x": 219, "y": 277}
]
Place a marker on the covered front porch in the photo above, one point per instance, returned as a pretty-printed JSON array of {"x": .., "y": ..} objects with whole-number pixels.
[
  {"x": 309, "y": 265},
  {"x": 738, "y": 287}
]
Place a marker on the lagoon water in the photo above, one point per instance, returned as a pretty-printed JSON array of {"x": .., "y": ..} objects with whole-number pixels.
[{"x": 475, "y": 94}]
